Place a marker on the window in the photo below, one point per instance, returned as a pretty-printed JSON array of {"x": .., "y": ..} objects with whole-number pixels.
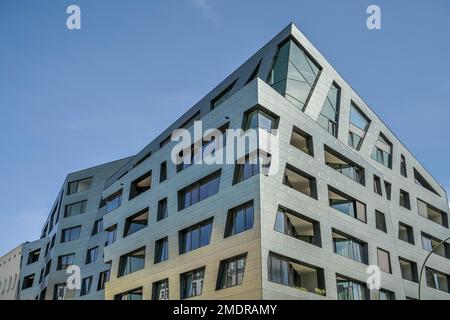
[
  {"x": 388, "y": 188},
  {"x": 165, "y": 142},
  {"x": 408, "y": 269},
  {"x": 196, "y": 236},
  {"x": 86, "y": 284},
  {"x": 103, "y": 278},
  {"x": 52, "y": 243},
  {"x": 386, "y": 295},
  {"x": 79, "y": 185},
  {"x": 350, "y": 247},
  {"x": 404, "y": 200},
  {"x": 162, "y": 209},
  {"x": 91, "y": 255},
  {"x": 27, "y": 281},
  {"x": 421, "y": 181},
  {"x": 161, "y": 250},
  {"x": 132, "y": 262},
  {"x": 239, "y": 219},
  {"x": 258, "y": 118},
  {"x": 377, "y": 185},
  {"x": 297, "y": 226},
  {"x": 112, "y": 202},
  {"x": 429, "y": 243},
  {"x": 359, "y": 123},
  {"x": 231, "y": 272},
  {"x": 432, "y": 213},
  {"x": 163, "y": 171},
  {"x": 344, "y": 166},
  {"x": 190, "y": 121},
  {"x": 136, "y": 222},
  {"x": 329, "y": 116},
  {"x": 112, "y": 233},
  {"x": 382, "y": 152},
  {"x": 144, "y": 157},
  {"x": 65, "y": 261},
  {"x": 41, "y": 275},
  {"x": 161, "y": 290},
  {"x": 254, "y": 73},
  {"x": 33, "y": 256},
  {"x": 70, "y": 234},
  {"x": 349, "y": 289},
  {"x": 140, "y": 185},
  {"x": 192, "y": 283},
  {"x": 199, "y": 191},
  {"x": 47, "y": 268},
  {"x": 223, "y": 96},
  {"x": 75, "y": 208},
  {"x": 249, "y": 166},
  {"x": 296, "y": 274},
  {"x": 302, "y": 141},
  {"x": 384, "y": 260},
  {"x": 60, "y": 291},
  {"x": 380, "y": 221},
  {"x": 405, "y": 233},
  {"x": 403, "y": 166},
  {"x": 437, "y": 280},
  {"x": 98, "y": 227},
  {"x": 300, "y": 181},
  {"x": 135, "y": 294},
  {"x": 347, "y": 204}
]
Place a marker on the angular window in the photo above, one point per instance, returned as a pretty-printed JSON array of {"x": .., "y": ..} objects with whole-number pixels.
[
  {"x": 404, "y": 200},
  {"x": 98, "y": 227},
  {"x": 329, "y": 116},
  {"x": 103, "y": 278},
  {"x": 388, "y": 188},
  {"x": 300, "y": 181},
  {"x": 165, "y": 142},
  {"x": 162, "y": 209},
  {"x": 437, "y": 280},
  {"x": 349, "y": 289},
  {"x": 294, "y": 73},
  {"x": 359, "y": 123},
  {"x": 239, "y": 219},
  {"x": 421, "y": 181},
  {"x": 384, "y": 260},
  {"x": 136, "y": 222},
  {"x": 386, "y": 295},
  {"x": 223, "y": 96},
  {"x": 70, "y": 234},
  {"x": 163, "y": 171},
  {"x": 33, "y": 256},
  {"x": 112, "y": 202},
  {"x": 246, "y": 170},
  {"x": 132, "y": 262},
  {"x": 405, "y": 233},
  {"x": 382, "y": 152},
  {"x": 161, "y": 250},
  {"x": 302, "y": 141},
  {"x": 432, "y": 213},
  {"x": 231, "y": 272},
  {"x": 409, "y": 270},
  {"x": 297, "y": 226},
  {"x": 65, "y": 261},
  {"x": 254, "y": 74},
  {"x": 160, "y": 290},
  {"x": 52, "y": 243},
  {"x": 196, "y": 236},
  {"x": 86, "y": 284},
  {"x": 59, "y": 292},
  {"x": 429, "y": 243},
  {"x": 192, "y": 283},
  {"x": 91, "y": 255},
  {"x": 75, "y": 208},
  {"x": 198, "y": 191},
  {"x": 350, "y": 247},
  {"x": 112, "y": 233},
  {"x": 140, "y": 185},
  {"x": 79, "y": 185},
  {"x": 41, "y": 275},
  {"x": 380, "y": 221},
  {"x": 377, "y": 185},
  {"x": 144, "y": 157},
  {"x": 296, "y": 274},
  {"x": 27, "y": 282},
  {"x": 135, "y": 294},
  {"x": 403, "y": 166},
  {"x": 260, "y": 119},
  {"x": 344, "y": 166},
  {"x": 47, "y": 268},
  {"x": 347, "y": 204}
]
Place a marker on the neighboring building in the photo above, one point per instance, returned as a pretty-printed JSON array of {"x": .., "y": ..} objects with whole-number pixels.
[
  {"x": 347, "y": 194},
  {"x": 9, "y": 274}
]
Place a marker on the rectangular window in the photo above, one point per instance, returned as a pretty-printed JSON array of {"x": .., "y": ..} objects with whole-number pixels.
[
  {"x": 33, "y": 256},
  {"x": 161, "y": 290},
  {"x": 344, "y": 166},
  {"x": 65, "y": 261},
  {"x": 388, "y": 188},
  {"x": 91, "y": 255},
  {"x": 300, "y": 181},
  {"x": 249, "y": 166},
  {"x": 405, "y": 233},
  {"x": 192, "y": 283},
  {"x": 231, "y": 272},
  {"x": 404, "y": 200},
  {"x": 98, "y": 227},
  {"x": 408, "y": 269},
  {"x": 103, "y": 278},
  {"x": 350, "y": 247},
  {"x": 384, "y": 260},
  {"x": 136, "y": 222},
  {"x": 59, "y": 292},
  {"x": 135, "y": 294},
  {"x": 28, "y": 281},
  {"x": 239, "y": 219},
  {"x": 302, "y": 141},
  {"x": 140, "y": 185},
  {"x": 403, "y": 166},
  {"x": 75, "y": 208},
  {"x": 163, "y": 171},
  {"x": 382, "y": 152},
  {"x": 198, "y": 191},
  {"x": 196, "y": 236},
  {"x": 297, "y": 226},
  {"x": 347, "y": 205},
  {"x": 432, "y": 213},
  {"x": 132, "y": 262},
  {"x": 359, "y": 123},
  {"x": 349, "y": 289},
  {"x": 377, "y": 185},
  {"x": 86, "y": 284},
  {"x": 437, "y": 280},
  {"x": 380, "y": 221},
  {"x": 162, "y": 209},
  {"x": 430, "y": 243},
  {"x": 79, "y": 185},
  {"x": 259, "y": 119},
  {"x": 386, "y": 295},
  {"x": 161, "y": 250},
  {"x": 70, "y": 234},
  {"x": 112, "y": 202},
  {"x": 112, "y": 233}
]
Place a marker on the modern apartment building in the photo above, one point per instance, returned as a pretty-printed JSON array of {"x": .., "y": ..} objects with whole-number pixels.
[{"x": 346, "y": 195}]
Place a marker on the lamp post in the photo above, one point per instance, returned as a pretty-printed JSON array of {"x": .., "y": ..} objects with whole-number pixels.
[{"x": 425, "y": 261}]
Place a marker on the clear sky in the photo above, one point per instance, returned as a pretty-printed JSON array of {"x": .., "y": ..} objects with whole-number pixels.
[{"x": 74, "y": 99}]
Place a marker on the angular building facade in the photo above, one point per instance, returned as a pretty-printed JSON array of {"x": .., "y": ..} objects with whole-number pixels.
[{"x": 343, "y": 195}]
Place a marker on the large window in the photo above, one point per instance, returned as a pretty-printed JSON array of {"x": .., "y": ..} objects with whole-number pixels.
[
  {"x": 302, "y": 141},
  {"x": 239, "y": 219},
  {"x": 91, "y": 255},
  {"x": 199, "y": 191},
  {"x": 65, "y": 261},
  {"x": 359, "y": 123},
  {"x": 429, "y": 243},
  {"x": 196, "y": 236},
  {"x": 405, "y": 233},
  {"x": 384, "y": 260},
  {"x": 437, "y": 280},
  {"x": 135, "y": 294},
  {"x": 432, "y": 213},
  {"x": 98, "y": 227},
  {"x": 112, "y": 202},
  {"x": 408, "y": 269},
  {"x": 161, "y": 250},
  {"x": 382, "y": 152},
  {"x": 349, "y": 289},
  {"x": 27, "y": 282},
  {"x": 132, "y": 262},
  {"x": 70, "y": 234},
  {"x": 343, "y": 165},
  {"x": 329, "y": 116},
  {"x": 421, "y": 181},
  {"x": 247, "y": 168},
  {"x": 350, "y": 247},
  {"x": 86, "y": 285},
  {"x": 161, "y": 290},
  {"x": 79, "y": 185},
  {"x": 260, "y": 119},
  {"x": 347, "y": 205},
  {"x": 300, "y": 181},
  {"x": 192, "y": 283},
  {"x": 231, "y": 272},
  {"x": 136, "y": 222},
  {"x": 33, "y": 256},
  {"x": 162, "y": 209},
  {"x": 140, "y": 185},
  {"x": 76, "y": 208}
]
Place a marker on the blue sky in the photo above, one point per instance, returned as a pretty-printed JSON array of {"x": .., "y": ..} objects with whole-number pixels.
[{"x": 74, "y": 99}]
